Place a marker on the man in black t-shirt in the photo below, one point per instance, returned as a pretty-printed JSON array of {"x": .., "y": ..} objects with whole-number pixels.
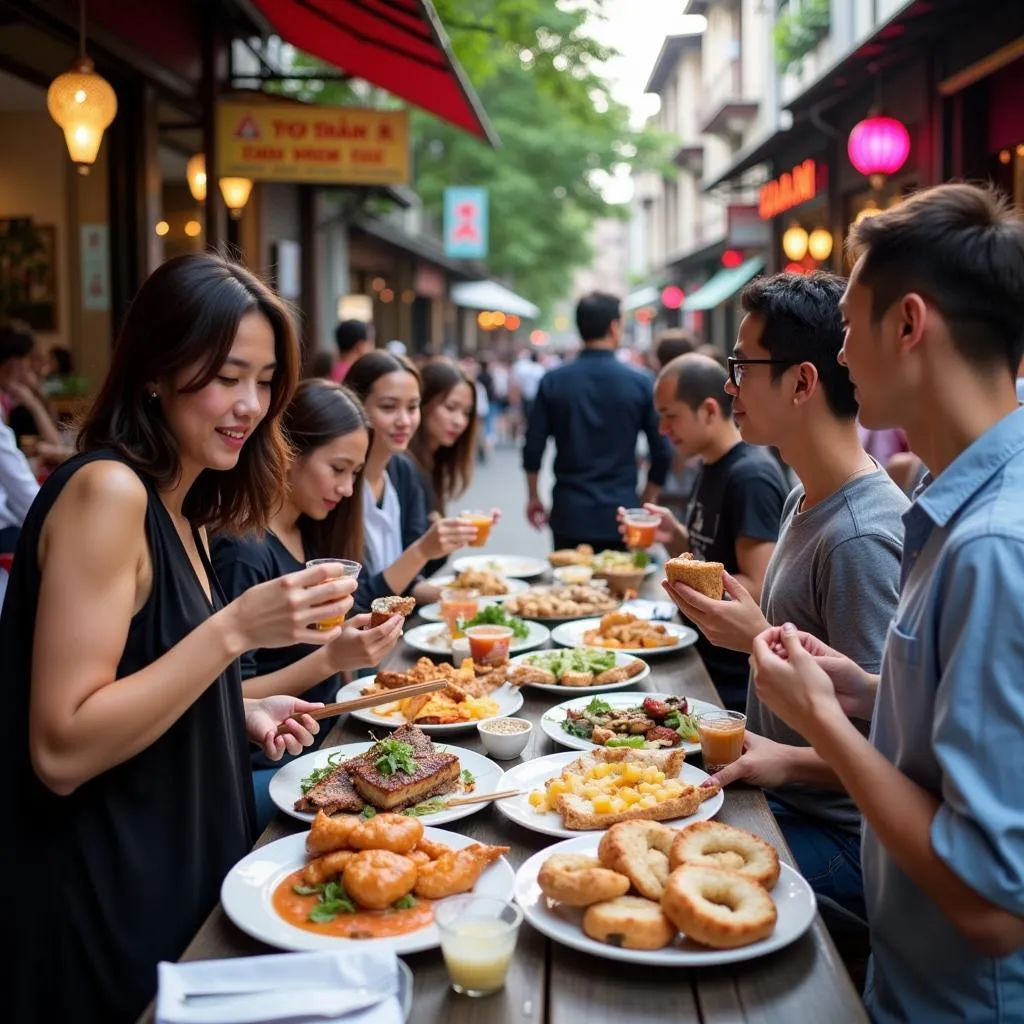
[{"x": 734, "y": 514}]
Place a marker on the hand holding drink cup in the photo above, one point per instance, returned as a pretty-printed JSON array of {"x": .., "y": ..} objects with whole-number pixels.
[
  {"x": 482, "y": 521},
  {"x": 641, "y": 526}
]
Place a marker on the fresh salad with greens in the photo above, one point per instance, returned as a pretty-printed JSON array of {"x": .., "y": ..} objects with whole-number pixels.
[
  {"x": 495, "y": 615},
  {"x": 657, "y": 722},
  {"x": 572, "y": 659}
]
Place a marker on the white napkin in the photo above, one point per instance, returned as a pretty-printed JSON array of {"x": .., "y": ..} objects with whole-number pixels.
[{"x": 350, "y": 987}]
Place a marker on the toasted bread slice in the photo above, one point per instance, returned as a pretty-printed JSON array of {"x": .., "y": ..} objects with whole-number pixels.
[
  {"x": 383, "y": 608},
  {"x": 668, "y": 761},
  {"x": 577, "y": 679},
  {"x": 705, "y": 577},
  {"x": 578, "y": 813}
]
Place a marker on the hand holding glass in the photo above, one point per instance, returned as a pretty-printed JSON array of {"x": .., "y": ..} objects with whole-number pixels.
[
  {"x": 721, "y": 738},
  {"x": 483, "y": 521},
  {"x": 640, "y": 528}
]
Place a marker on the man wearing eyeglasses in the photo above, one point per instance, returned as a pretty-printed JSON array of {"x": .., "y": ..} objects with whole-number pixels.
[{"x": 836, "y": 564}]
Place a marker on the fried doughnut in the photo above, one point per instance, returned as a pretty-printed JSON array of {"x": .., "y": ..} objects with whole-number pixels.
[
  {"x": 395, "y": 832},
  {"x": 578, "y": 881},
  {"x": 712, "y": 844},
  {"x": 376, "y": 878},
  {"x": 630, "y": 922},
  {"x": 328, "y": 834},
  {"x": 323, "y": 868},
  {"x": 719, "y": 908},
  {"x": 639, "y": 850}
]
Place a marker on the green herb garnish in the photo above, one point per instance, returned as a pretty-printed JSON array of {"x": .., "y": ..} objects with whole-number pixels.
[
  {"x": 433, "y": 806},
  {"x": 637, "y": 742},
  {"x": 368, "y": 812},
  {"x": 641, "y": 559},
  {"x": 319, "y": 774},
  {"x": 468, "y": 778},
  {"x": 307, "y": 890},
  {"x": 687, "y": 729},
  {"x": 394, "y": 756},
  {"x": 578, "y": 727},
  {"x": 406, "y": 902},
  {"x": 332, "y": 900},
  {"x": 495, "y": 615},
  {"x": 598, "y": 707}
]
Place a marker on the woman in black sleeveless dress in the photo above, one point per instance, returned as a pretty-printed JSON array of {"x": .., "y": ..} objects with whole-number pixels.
[
  {"x": 321, "y": 516},
  {"x": 125, "y": 721}
]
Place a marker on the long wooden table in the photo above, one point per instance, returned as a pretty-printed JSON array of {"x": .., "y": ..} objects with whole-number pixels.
[{"x": 552, "y": 984}]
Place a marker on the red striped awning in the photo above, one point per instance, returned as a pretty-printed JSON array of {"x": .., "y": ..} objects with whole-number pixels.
[{"x": 398, "y": 45}]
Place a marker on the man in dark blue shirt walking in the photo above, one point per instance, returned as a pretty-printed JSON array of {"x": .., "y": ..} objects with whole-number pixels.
[{"x": 594, "y": 408}]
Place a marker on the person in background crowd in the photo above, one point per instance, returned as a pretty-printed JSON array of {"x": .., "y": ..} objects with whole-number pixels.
[
  {"x": 593, "y": 408},
  {"x": 713, "y": 352},
  {"x": 933, "y": 342},
  {"x": 444, "y": 445},
  {"x": 25, "y": 408},
  {"x": 320, "y": 516},
  {"x": 737, "y": 502},
  {"x": 672, "y": 343},
  {"x": 835, "y": 569},
  {"x": 18, "y": 488},
  {"x": 524, "y": 379},
  {"x": 489, "y": 415},
  {"x": 321, "y": 364},
  {"x": 399, "y": 540},
  {"x": 471, "y": 369},
  {"x": 354, "y": 339},
  {"x": 499, "y": 374},
  {"x": 125, "y": 727}
]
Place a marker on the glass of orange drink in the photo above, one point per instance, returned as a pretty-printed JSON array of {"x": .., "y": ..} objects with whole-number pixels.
[
  {"x": 483, "y": 521},
  {"x": 458, "y": 606},
  {"x": 348, "y": 568},
  {"x": 721, "y": 738}
]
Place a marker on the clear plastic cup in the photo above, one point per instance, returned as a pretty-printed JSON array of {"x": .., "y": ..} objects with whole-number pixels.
[
  {"x": 483, "y": 521},
  {"x": 721, "y": 738},
  {"x": 458, "y": 606},
  {"x": 348, "y": 568},
  {"x": 489, "y": 645},
  {"x": 478, "y": 940},
  {"x": 640, "y": 528}
]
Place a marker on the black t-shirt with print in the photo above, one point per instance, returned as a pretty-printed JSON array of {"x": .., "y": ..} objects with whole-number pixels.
[{"x": 740, "y": 495}]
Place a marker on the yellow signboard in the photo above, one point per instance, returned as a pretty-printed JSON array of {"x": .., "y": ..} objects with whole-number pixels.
[{"x": 320, "y": 145}]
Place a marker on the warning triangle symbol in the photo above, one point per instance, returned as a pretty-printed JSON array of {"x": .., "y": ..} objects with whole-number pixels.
[{"x": 247, "y": 128}]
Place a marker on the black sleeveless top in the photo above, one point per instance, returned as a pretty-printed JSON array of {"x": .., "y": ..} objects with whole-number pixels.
[{"x": 120, "y": 874}]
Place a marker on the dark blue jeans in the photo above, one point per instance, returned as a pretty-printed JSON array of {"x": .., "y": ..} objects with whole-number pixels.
[{"x": 829, "y": 858}]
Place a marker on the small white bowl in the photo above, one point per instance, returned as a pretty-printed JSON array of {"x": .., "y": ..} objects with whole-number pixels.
[
  {"x": 569, "y": 574},
  {"x": 503, "y": 746}
]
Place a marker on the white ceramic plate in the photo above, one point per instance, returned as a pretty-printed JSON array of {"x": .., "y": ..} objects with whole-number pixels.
[
  {"x": 247, "y": 894},
  {"x": 554, "y": 619},
  {"x": 551, "y": 720},
  {"x": 793, "y": 897},
  {"x": 649, "y": 568},
  {"x": 503, "y": 565},
  {"x": 508, "y": 698},
  {"x": 431, "y": 638},
  {"x": 620, "y": 659},
  {"x": 514, "y": 587},
  {"x": 286, "y": 788},
  {"x": 533, "y": 774},
  {"x": 570, "y": 634}
]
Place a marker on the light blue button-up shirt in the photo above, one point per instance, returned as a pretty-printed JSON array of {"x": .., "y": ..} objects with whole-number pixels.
[{"x": 950, "y": 715}]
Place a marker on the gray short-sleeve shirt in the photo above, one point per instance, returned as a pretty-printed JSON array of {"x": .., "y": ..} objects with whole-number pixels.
[{"x": 835, "y": 573}]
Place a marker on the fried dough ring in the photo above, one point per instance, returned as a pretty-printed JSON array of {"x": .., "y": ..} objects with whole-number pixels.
[
  {"x": 376, "y": 878},
  {"x": 719, "y": 908},
  {"x": 578, "y": 881},
  {"x": 395, "y": 832},
  {"x": 713, "y": 844},
  {"x": 629, "y": 922},
  {"x": 639, "y": 850}
]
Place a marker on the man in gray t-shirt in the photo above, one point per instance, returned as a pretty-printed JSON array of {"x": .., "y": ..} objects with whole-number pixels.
[{"x": 835, "y": 569}]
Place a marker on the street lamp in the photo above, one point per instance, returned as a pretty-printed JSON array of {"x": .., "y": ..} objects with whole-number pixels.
[
  {"x": 236, "y": 194},
  {"x": 819, "y": 244}
]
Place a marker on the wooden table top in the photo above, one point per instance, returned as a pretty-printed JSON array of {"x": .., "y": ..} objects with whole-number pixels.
[{"x": 552, "y": 984}]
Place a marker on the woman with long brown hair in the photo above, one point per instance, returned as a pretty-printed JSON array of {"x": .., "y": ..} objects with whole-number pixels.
[
  {"x": 319, "y": 516},
  {"x": 399, "y": 538},
  {"x": 125, "y": 720},
  {"x": 444, "y": 446}
]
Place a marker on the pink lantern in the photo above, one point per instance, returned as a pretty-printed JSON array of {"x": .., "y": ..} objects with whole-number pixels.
[
  {"x": 879, "y": 146},
  {"x": 672, "y": 297}
]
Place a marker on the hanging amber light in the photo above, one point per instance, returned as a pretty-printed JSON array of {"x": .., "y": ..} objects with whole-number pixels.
[
  {"x": 195, "y": 172},
  {"x": 236, "y": 194}
]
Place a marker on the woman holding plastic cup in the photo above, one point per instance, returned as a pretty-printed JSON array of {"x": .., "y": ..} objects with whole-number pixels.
[
  {"x": 400, "y": 542},
  {"x": 444, "y": 446},
  {"x": 125, "y": 724},
  {"x": 318, "y": 521}
]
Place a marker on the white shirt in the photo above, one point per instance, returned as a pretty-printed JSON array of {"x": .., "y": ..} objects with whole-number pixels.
[
  {"x": 527, "y": 374},
  {"x": 18, "y": 485},
  {"x": 382, "y": 528}
]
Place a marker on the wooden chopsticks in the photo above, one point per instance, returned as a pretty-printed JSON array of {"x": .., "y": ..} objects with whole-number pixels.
[
  {"x": 480, "y": 798},
  {"x": 373, "y": 700}
]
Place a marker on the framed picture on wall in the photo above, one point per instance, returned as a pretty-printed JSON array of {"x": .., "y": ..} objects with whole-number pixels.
[{"x": 28, "y": 272}]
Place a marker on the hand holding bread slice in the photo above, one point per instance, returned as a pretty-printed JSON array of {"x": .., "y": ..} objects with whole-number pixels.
[
  {"x": 384, "y": 607},
  {"x": 704, "y": 577}
]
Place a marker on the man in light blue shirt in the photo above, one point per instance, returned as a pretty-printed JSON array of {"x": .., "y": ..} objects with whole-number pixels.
[{"x": 934, "y": 338}]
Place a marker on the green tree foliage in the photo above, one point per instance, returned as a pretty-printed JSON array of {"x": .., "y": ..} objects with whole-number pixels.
[{"x": 537, "y": 72}]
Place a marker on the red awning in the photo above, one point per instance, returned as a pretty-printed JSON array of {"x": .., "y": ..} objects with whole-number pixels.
[{"x": 398, "y": 45}]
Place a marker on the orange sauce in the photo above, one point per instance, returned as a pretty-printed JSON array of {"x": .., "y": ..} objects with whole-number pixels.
[{"x": 365, "y": 924}]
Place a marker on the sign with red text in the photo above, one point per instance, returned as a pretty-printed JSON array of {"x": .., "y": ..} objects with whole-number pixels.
[
  {"x": 465, "y": 222},
  {"x": 317, "y": 145},
  {"x": 791, "y": 189}
]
